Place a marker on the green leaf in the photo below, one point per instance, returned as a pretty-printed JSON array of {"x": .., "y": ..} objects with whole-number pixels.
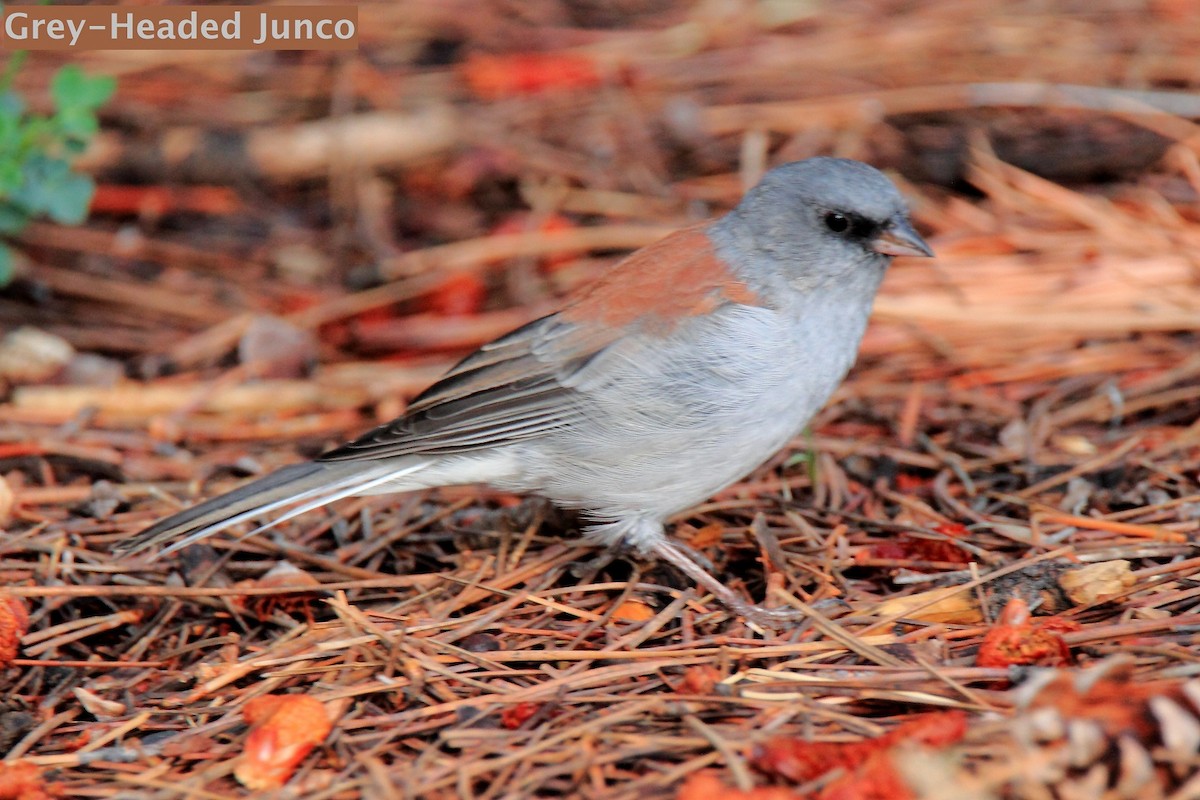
[
  {"x": 38, "y": 175},
  {"x": 39, "y": 133},
  {"x": 12, "y": 135},
  {"x": 67, "y": 87},
  {"x": 9, "y": 74},
  {"x": 10, "y": 176},
  {"x": 51, "y": 188},
  {"x": 77, "y": 123},
  {"x": 796, "y": 458},
  {"x": 11, "y": 138},
  {"x": 12, "y": 105},
  {"x": 13, "y": 219},
  {"x": 7, "y": 265},
  {"x": 35, "y": 150},
  {"x": 72, "y": 199},
  {"x": 72, "y": 89},
  {"x": 103, "y": 87}
]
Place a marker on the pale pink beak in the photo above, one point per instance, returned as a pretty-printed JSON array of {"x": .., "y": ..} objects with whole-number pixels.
[{"x": 899, "y": 239}]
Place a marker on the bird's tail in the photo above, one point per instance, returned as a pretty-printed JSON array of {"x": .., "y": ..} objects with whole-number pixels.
[{"x": 309, "y": 486}]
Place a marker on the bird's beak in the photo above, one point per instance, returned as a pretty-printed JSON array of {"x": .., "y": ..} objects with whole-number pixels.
[{"x": 899, "y": 239}]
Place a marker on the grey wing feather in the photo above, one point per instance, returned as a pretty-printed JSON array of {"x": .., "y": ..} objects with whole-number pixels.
[
  {"x": 517, "y": 387},
  {"x": 282, "y": 487}
]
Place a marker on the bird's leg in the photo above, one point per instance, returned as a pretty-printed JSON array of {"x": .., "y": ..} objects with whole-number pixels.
[
  {"x": 695, "y": 556},
  {"x": 647, "y": 538},
  {"x": 590, "y": 568},
  {"x": 614, "y": 547},
  {"x": 674, "y": 555}
]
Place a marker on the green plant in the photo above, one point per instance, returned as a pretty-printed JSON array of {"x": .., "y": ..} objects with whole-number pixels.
[{"x": 36, "y": 178}]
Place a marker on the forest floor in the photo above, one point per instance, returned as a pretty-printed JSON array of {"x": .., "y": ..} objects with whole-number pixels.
[{"x": 998, "y": 508}]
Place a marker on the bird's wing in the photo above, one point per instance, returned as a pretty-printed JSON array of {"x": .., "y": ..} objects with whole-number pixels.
[
  {"x": 523, "y": 385},
  {"x": 527, "y": 383},
  {"x": 514, "y": 388}
]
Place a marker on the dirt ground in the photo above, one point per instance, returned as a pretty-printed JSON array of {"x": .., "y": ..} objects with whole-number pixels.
[{"x": 994, "y": 517}]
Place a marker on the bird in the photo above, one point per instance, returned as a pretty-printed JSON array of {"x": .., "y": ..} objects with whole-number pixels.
[{"x": 683, "y": 368}]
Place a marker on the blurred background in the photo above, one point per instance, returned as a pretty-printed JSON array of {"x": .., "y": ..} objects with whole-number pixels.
[{"x": 474, "y": 161}]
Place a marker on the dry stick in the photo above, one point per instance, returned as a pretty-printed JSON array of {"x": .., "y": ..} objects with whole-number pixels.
[
  {"x": 1167, "y": 569},
  {"x": 1091, "y": 465},
  {"x": 475, "y": 253},
  {"x": 73, "y": 628},
  {"x": 1028, "y": 192},
  {"x": 524, "y": 595},
  {"x": 229, "y": 674},
  {"x": 1140, "y": 510},
  {"x": 282, "y": 548},
  {"x": 964, "y": 690},
  {"x": 669, "y": 778},
  {"x": 736, "y": 764},
  {"x": 971, "y": 585},
  {"x": 336, "y": 388},
  {"x": 427, "y": 660},
  {"x": 58, "y": 495},
  {"x": 507, "y": 609},
  {"x": 1155, "y": 532},
  {"x": 20, "y": 748},
  {"x": 1108, "y": 321},
  {"x": 641, "y": 633},
  {"x": 606, "y": 676},
  {"x": 169, "y": 787},
  {"x": 1109, "y": 633},
  {"x": 911, "y": 696},
  {"x": 134, "y": 722},
  {"x": 143, "y": 297},
  {"x": 853, "y": 641},
  {"x": 551, "y": 558},
  {"x": 853, "y": 109},
  {"x": 1134, "y": 405},
  {"x": 756, "y": 651},
  {"x": 359, "y": 302},
  {"x": 55, "y": 662},
  {"x": 291, "y": 151},
  {"x": 142, "y": 400},
  {"x": 398, "y": 582},
  {"x": 476, "y": 769},
  {"x": 367, "y": 546},
  {"x": 209, "y": 344},
  {"x": 107, "y": 242},
  {"x": 430, "y": 331}
]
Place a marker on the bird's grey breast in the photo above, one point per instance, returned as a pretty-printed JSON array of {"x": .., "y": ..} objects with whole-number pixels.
[{"x": 676, "y": 418}]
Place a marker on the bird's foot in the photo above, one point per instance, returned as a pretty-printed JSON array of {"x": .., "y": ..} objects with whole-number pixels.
[
  {"x": 774, "y": 617},
  {"x": 612, "y": 551},
  {"x": 647, "y": 539},
  {"x": 767, "y": 617},
  {"x": 590, "y": 567}
]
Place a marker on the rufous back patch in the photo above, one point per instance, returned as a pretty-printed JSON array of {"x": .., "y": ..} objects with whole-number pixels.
[{"x": 662, "y": 284}]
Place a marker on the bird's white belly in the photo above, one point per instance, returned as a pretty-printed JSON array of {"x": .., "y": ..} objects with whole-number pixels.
[{"x": 675, "y": 427}]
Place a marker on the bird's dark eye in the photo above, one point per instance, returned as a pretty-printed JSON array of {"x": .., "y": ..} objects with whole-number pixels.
[{"x": 838, "y": 223}]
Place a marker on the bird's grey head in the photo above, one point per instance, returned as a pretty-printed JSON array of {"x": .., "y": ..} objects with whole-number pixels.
[{"x": 823, "y": 219}]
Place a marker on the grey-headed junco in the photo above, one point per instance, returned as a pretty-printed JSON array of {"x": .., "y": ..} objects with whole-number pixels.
[{"x": 685, "y": 367}]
